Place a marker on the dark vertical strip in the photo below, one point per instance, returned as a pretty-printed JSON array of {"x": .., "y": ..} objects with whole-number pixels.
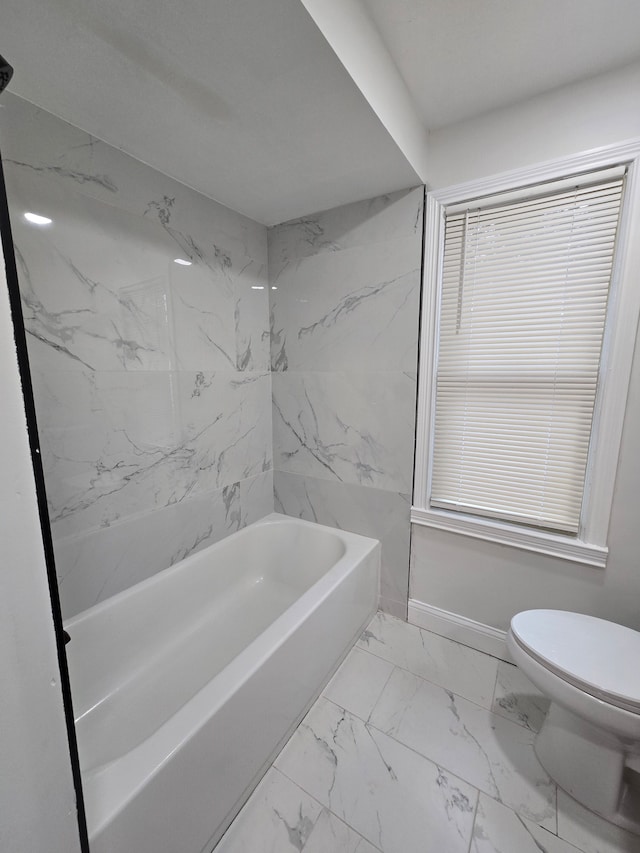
[
  {"x": 34, "y": 444},
  {"x": 415, "y": 430}
]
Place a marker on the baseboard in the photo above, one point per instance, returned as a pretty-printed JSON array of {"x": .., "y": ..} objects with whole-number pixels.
[{"x": 463, "y": 630}]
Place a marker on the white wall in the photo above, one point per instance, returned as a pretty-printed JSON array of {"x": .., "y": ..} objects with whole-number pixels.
[
  {"x": 481, "y": 580},
  {"x": 348, "y": 28},
  {"x": 600, "y": 111},
  {"x": 37, "y": 799}
]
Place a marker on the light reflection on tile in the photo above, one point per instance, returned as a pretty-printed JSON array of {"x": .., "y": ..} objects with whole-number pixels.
[{"x": 151, "y": 379}]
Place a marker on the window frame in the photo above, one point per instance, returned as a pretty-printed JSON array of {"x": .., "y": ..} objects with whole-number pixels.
[{"x": 590, "y": 545}]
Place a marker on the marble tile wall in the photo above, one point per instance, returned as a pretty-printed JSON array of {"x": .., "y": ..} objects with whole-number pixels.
[
  {"x": 152, "y": 379},
  {"x": 344, "y": 303}
]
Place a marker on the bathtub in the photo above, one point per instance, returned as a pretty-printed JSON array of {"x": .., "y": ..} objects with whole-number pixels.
[{"x": 186, "y": 685}]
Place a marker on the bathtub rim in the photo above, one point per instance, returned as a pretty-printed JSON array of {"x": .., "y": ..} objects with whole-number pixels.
[
  {"x": 273, "y": 518},
  {"x": 117, "y": 782}
]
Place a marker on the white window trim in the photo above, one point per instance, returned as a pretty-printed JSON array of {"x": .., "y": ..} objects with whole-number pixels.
[{"x": 590, "y": 546}]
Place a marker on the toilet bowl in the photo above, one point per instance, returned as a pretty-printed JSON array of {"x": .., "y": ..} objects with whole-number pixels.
[{"x": 589, "y": 742}]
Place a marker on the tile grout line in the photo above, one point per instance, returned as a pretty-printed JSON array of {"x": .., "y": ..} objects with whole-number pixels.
[
  {"x": 434, "y": 683},
  {"x": 447, "y": 769},
  {"x": 447, "y": 689},
  {"x": 375, "y": 704},
  {"x": 473, "y": 825},
  {"x": 323, "y": 807},
  {"x": 495, "y": 687}
]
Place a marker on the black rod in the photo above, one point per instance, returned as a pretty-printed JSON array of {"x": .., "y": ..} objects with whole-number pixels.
[{"x": 45, "y": 526}]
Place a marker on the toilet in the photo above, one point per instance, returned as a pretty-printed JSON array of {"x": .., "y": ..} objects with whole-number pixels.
[{"x": 589, "y": 742}]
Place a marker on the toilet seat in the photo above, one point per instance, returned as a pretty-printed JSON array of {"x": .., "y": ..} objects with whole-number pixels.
[{"x": 598, "y": 657}]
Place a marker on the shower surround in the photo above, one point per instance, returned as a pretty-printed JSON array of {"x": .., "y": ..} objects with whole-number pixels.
[
  {"x": 151, "y": 378},
  {"x": 158, "y": 385},
  {"x": 345, "y": 294}
]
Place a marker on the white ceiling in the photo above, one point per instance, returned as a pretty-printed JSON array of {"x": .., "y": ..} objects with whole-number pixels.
[
  {"x": 462, "y": 58},
  {"x": 247, "y": 102},
  {"x": 242, "y": 99}
]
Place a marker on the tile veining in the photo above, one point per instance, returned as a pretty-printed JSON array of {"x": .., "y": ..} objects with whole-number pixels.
[
  {"x": 387, "y": 760},
  {"x": 343, "y": 325},
  {"x": 152, "y": 382}
]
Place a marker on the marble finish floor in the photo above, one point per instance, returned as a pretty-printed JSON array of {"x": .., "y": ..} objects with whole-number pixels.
[{"x": 418, "y": 744}]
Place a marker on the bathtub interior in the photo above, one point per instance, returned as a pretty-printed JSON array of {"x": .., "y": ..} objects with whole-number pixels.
[{"x": 140, "y": 656}]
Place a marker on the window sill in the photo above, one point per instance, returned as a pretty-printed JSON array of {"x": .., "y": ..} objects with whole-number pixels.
[{"x": 551, "y": 544}]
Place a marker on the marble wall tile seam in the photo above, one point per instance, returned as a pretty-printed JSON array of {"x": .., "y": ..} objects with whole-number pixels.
[
  {"x": 226, "y": 264},
  {"x": 347, "y": 371},
  {"x": 148, "y": 512},
  {"x": 138, "y": 311},
  {"x": 334, "y": 479},
  {"x": 140, "y": 441},
  {"x": 376, "y": 513},
  {"x": 278, "y": 467},
  {"x": 354, "y": 427},
  {"x": 109, "y": 559},
  {"x": 370, "y": 489}
]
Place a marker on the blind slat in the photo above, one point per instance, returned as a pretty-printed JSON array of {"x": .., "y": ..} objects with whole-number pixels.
[{"x": 524, "y": 290}]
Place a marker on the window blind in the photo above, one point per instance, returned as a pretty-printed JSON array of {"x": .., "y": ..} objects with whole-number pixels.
[{"x": 523, "y": 304}]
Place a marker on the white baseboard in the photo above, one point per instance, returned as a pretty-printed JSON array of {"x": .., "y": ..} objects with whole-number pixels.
[{"x": 482, "y": 637}]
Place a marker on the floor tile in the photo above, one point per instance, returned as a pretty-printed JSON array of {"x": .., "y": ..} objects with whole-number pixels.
[
  {"x": 591, "y": 833},
  {"x": 465, "y": 671},
  {"x": 395, "y": 798},
  {"x": 492, "y": 753},
  {"x": 332, "y": 835},
  {"x": 498, "y": 829},
  {"x": 277, "y": 818},
  {"x": 517, "y": 699},
  {"x": 358, "y": 683}
]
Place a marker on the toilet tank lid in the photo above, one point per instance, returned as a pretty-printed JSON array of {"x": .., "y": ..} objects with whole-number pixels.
[{"x": 600, "y": 656}]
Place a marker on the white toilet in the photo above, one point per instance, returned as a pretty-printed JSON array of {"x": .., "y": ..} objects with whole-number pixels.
[{"x": 590, "y": 740}]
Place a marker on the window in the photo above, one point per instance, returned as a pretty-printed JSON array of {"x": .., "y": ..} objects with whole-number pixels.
[{"x": 526, "y": 350}]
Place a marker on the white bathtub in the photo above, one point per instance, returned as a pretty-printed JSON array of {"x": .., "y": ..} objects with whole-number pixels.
[{"x": 186, "y": 685}]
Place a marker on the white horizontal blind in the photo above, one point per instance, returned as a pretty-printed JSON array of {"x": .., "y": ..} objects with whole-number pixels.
[{"x": 522, "y": 313}]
